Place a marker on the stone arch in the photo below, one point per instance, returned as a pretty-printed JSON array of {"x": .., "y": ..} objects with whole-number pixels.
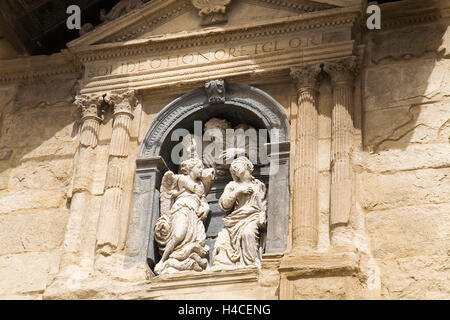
[{"x": 152, "y": 163}]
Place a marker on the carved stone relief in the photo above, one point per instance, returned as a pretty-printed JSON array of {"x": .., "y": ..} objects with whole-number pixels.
[
  {"x": 211, "y": 11},
  {"x": 179, "y": 231},
  {"x": 244, "y": 201}
]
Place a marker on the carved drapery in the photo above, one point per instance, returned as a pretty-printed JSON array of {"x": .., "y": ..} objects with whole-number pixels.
[
  {"x": 305, "y": 218},
  {"x": 342, "y": 75},
  {"x": 90, "y": 109},
  {"x": 109, "y": 226}
]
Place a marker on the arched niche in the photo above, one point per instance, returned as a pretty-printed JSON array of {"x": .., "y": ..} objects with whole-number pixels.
[{"x": 240, "y": 104}]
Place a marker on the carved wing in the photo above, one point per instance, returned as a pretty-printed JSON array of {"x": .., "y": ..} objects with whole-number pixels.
[{"x": 168, "y": 183}]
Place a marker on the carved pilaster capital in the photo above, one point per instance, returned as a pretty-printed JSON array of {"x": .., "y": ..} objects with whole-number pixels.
[
  {"x": 122, "y": 103},
  {"x": 342, "y": 72},
  {"x": 306, "y": 77},
  {"x": 90, "y": 107},
  {"x": 215, "y": 89}
]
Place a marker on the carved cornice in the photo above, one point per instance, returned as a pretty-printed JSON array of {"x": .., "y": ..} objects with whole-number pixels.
[
  {"x": 90, "y": 107},
  {"x": 305, "y": 6},
  {"x": 158, "y": 18},
  {"x": 306, "y": 76},
  {"x": 413, "y": 12},
  {"x": 122, "y": 103},
  {"x": 38, "y": 67},
  {"x": 342, "y": 72},
  {"x": 313, "y": 21}
]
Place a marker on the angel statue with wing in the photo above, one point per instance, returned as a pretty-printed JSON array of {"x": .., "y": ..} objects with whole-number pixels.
[{"x": 180, "y": 231}]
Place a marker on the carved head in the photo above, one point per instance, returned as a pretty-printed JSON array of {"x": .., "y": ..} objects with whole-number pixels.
[
  {"x": 193, "y": 167},
  {"x": 241, "y": 168},
  {"x": 214, "y": 124}
]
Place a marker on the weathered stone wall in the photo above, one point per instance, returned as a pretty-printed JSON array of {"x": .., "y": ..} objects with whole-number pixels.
[
  {"x": 405, "y": 184},
  {"x": 37, "y": 146}
]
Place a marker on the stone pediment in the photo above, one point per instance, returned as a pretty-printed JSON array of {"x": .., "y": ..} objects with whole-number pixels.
[{"x": 157, "y": 18}]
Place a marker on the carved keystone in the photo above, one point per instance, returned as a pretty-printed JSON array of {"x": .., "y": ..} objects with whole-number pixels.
[
  {"x": 211, "y": 11},
  {"x": 215, "y": 89}
]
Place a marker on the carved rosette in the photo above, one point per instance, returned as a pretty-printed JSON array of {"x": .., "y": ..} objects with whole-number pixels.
[{"x": 211, "y": 11}]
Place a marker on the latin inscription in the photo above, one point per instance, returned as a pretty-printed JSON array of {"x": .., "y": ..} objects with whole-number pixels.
[{"x": 202, "y": 56}]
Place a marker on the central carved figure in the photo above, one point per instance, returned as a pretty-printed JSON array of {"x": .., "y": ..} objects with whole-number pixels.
[
  {"x": 179, "y": 231},
  {"x": 237, "y": 244}
]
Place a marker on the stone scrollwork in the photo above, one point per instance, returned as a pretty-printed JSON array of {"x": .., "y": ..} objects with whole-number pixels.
[
  {"x": 237, "y": 245},
  {"x": 211, "y": 11},
  {"x": 179, "y": 231},
  {"x": 342, "y": 72}
]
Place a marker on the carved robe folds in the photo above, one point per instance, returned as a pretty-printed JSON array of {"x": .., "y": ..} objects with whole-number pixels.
[
  {"x": 237, "y": 244},
  {"x": 179, "y": 231}
]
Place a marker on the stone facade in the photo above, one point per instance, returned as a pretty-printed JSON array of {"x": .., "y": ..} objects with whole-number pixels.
[{"x": 359, "y": 207}]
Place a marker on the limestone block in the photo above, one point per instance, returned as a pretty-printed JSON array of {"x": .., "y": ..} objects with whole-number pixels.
[
  {"x": 43, "y": 175},
  {"x": 411, "y": 231},
  {"x": 415, "y": 82},
  {"x": 34, "y": 127},
  {"x": 410, "y": 42},
  {"x": 29, "y": 272},
  {"x": 30, "y": 199},
  {"x": 399, "y": 127},
  {"x": 410, "y": 188},
  {"x": 420, "y": 277},
  {"x": 410, "y": 158},
  {"x": 329, "y": 288},
  {"x": 36, "y": 94},
  {"x": 43, "y": 231},
  {"x": 50, "y": 149}
]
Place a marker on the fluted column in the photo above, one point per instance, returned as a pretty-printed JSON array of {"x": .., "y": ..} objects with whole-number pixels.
[
  {"x": 305, "y": 218},
  {"x": 342, "y": 75},
  {"x": 90, "y": 108},
  {"x": 109, "y": 225}
]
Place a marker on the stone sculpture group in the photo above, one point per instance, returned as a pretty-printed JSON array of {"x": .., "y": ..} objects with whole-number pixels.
[{"x": 180, "y": 231}]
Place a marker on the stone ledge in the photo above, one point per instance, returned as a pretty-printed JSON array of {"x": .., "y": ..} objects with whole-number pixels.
[
  {"x": 202, "y": 279},
  {"x": 297, "y": 265}
]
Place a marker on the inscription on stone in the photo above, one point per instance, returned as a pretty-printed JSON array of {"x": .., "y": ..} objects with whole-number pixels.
[{"x": 200, "y": 57}]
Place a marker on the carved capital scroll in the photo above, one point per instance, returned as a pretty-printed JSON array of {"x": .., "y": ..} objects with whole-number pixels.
[
  {"x": 306, "y": 76},
  {"x": 123, "y": 103},
  {"x": 91, "y": 112},
  {"x": 342, "y": 72}
]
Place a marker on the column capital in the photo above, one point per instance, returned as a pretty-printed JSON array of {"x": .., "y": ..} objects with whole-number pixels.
[
  {"x": 89, "y": 106},
  {"x": 306, "y": 76},
  {"x": 122, "y": 103},
  {"x": 342, "y": 72}
]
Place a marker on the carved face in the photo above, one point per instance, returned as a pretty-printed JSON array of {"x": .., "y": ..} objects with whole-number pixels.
[
  {"x": 196, "y": 171},
  {"x": 241, "y": 168}
]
